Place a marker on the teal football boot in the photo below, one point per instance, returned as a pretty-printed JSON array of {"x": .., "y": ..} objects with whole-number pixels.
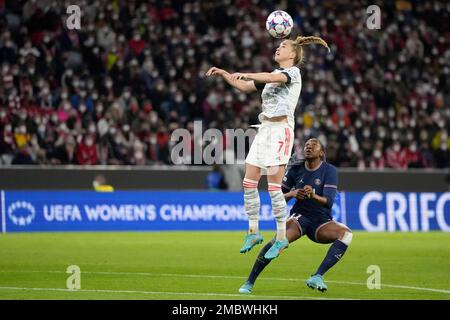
[
  {"x": 316, "y": 282},
  {"x": 251, "y": 240},
  {"x": 246, "y": 288},
  {"x": 276, "y": 249}
]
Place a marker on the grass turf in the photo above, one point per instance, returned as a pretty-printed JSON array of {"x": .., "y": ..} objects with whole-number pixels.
[{"x": 207, "y": 265}]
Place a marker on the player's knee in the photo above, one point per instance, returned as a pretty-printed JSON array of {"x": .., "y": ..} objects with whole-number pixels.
[{"x": 346, "y": 237}]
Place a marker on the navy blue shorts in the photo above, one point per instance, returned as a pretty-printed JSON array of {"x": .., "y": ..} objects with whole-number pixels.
[{"x": 309, "y": 226}]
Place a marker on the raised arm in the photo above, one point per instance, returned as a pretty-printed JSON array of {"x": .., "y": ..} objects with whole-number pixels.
[
  {"x": 263, "y": 77},
  {"x": 241, "y": 85}
]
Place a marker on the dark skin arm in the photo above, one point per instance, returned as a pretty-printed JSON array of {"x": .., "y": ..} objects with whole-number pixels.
[
  {"x": 305, "y": 193},
  {"x": 308, "y": 193}
]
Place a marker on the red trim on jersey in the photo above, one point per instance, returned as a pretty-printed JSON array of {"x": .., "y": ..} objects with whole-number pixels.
[{"x": 287, "y": 141}]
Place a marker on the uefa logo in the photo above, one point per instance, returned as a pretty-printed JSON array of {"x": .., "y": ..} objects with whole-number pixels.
[{"x": 21, "y": 213}]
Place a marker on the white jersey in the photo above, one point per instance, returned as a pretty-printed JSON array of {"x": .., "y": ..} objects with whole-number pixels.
[{"x": 280, "y": 99}]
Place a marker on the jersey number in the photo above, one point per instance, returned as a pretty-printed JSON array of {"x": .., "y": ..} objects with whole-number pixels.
[{"x": 281, "y": 146}]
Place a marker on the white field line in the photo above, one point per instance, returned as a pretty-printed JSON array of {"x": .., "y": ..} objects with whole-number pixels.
[
  {"x": 200, "y": 276},
  {"x": 170, "y": 293}
]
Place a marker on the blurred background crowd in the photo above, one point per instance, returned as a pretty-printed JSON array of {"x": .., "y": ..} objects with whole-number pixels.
[{"x": 114, "y": 91}]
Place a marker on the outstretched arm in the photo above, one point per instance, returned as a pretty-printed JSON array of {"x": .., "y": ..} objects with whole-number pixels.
[
  {"x": 263, "y": 77},
  {"x": 241, "y": 85}
]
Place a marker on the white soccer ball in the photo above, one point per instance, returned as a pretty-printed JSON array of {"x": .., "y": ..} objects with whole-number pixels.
[{"x": 279, "y": 24}]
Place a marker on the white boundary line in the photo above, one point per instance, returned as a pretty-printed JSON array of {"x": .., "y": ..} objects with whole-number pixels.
[
  {"x": 3, "y": 211},
  {"x": 180, "y": 275},
  {"x": 172, "y": 293}
]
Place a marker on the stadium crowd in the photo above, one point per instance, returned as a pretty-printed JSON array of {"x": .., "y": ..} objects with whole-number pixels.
[{"x": 114, "y": 91}]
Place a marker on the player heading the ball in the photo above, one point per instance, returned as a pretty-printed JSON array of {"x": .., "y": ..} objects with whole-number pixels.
[{"x": 272, "y": 146}]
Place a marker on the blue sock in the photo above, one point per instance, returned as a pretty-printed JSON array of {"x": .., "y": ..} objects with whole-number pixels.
[
  {"x": 334, "y": 254},
  {"x": 260, "y": 263}
]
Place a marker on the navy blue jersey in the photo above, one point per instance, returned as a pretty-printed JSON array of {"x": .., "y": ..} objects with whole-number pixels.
[{"x": 323, "y": 180}]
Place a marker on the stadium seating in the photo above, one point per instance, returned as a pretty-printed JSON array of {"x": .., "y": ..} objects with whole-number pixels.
[{"x": 113, "y": 91}]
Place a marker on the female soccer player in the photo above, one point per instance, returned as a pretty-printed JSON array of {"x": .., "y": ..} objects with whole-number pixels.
[
  {"x": 314, "y": 184},
  {"x": 272, "y": 146}
]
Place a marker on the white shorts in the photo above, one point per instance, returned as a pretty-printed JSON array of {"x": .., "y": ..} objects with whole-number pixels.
[{"x": 272, "y": 145}]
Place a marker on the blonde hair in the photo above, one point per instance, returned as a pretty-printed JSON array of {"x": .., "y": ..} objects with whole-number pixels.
[{"x": 298, "y": 44}]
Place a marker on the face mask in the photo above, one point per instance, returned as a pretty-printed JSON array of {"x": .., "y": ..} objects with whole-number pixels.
[
  {"x": 89, "y": 142},
  {"x": 82, "y": 108},
  {"x": 138, "y": 155},
  {"x": 423, "y": 105},
  {"x": 395, "y": 136},
  {"x": 366, "y": 133}
]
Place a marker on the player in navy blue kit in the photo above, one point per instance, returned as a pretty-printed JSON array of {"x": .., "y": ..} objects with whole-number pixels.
[{"x": 314, "y": 185}]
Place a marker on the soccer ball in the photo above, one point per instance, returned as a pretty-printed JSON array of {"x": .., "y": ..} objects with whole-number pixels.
[{"x": 279, "y": 24}]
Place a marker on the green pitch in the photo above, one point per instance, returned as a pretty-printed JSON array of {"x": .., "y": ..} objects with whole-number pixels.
[{"x": 207, "y": 265}]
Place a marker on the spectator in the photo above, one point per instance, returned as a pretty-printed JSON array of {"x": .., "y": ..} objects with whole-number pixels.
[
  {"x": 23, "y": 157},
  {"x": 86, "y": 152},
  {"x": 215, "y": 180}
]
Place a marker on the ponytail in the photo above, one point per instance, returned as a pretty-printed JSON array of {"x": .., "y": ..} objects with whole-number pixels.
[{"x": 302, "y": 41}]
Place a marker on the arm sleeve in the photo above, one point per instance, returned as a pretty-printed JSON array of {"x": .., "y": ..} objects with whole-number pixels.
[
  {"x": 330, "y": 186},
  {"x": 287, "y": 76},
  {"x": 288, "y": 181},
  {"x": 259, "y": 85},
  {"x": 292, "y": 74}
]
